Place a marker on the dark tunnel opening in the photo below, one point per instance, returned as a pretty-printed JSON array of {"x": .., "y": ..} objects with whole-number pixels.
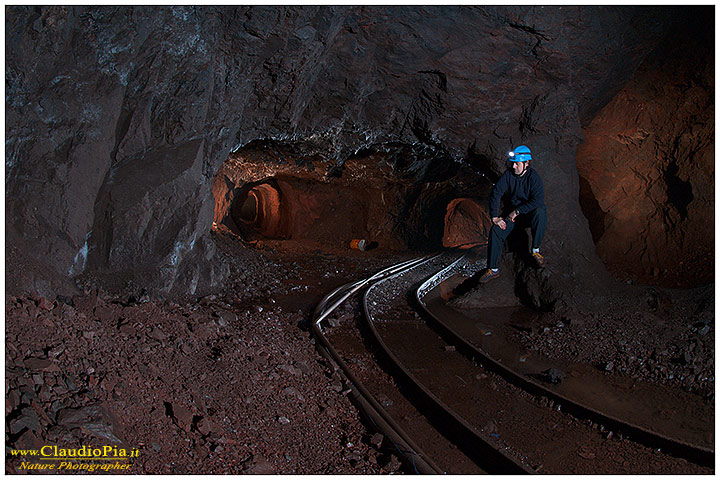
[
  {"x": 371, "y": 200},
  {"x": 257, "y": 211},
  {"x": 248, "y": 210},
  {"x": 592, "y": 210}
]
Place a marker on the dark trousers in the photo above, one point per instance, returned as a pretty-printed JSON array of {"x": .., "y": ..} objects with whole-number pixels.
[{"x": 537, "y": 219}]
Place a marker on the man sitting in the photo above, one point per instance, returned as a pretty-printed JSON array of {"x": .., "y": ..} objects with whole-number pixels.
[{"x": 527, "y": 202}]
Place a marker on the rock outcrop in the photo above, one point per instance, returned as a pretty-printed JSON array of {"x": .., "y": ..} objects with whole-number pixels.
[
  {"x": 647, "y": 166},
  {"x": 117, "y": 118}
]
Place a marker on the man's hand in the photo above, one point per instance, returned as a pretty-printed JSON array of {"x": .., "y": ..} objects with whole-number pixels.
[
  {"x": 499, "y": 222},
  {"x": 512, "y": 216}
]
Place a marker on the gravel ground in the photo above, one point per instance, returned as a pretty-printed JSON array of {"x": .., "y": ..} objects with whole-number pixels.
[
  {"x": 199, "y": 389},
  {"x": 232, "y": 383},
  {"x": 656, "y": 335},
  {"x": 227, "y": 383}
]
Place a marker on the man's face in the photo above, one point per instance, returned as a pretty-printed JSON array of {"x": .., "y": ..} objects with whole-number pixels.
[{"x": 519, "y": 167}]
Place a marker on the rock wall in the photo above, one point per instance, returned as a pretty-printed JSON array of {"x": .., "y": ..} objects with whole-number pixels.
[
  {"x": 648, "y": 165},
  {"x": 117, "y": 118}
]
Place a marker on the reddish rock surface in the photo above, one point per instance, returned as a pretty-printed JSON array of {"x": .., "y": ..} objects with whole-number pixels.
[
  {"x": 467, "y": 224},
  {"x": 372, "y": 199},
  {"x": 225, "y": 384},
  {"x": 131, "y": 130},
  {"x": 647, "y": 166}
]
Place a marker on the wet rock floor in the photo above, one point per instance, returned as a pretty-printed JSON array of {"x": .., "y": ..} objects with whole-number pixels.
[{"x": 528, "y": 426}]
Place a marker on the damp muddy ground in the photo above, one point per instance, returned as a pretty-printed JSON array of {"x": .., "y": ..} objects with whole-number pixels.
[{"x": 648, "y": 333}]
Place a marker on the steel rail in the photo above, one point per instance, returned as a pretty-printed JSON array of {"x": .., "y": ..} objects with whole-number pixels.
[
  {"x": 405, "y": 444},
  {"x": 700, "y": 455},
  {"x": 349, "y": 289},
  {"x": 505, "y": 464}
]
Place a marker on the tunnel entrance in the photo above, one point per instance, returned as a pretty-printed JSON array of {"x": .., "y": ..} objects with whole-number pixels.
[
  {"x": 314, "y": 213},
  {"x": 257, "y": 212},
  {"x": 275, "y": 192},
  {"x": 248, "y": 211},
  {"x": 274, "y": 196}
]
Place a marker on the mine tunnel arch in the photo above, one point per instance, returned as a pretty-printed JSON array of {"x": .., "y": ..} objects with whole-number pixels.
[
  {"x": 293, "y": 200},
  {"x": 258, "y": 209}
]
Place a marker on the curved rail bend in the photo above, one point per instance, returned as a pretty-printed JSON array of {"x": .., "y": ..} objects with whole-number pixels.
[
  {"x": 482, "y": 444},
  {"x": 406, "y": 446}
]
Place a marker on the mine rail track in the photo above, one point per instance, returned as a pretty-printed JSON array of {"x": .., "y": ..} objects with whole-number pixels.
[
  {"x": 695, "y": 453},
  {"x": 483, "y": 416},
  {"x": 371, "y": 406}
]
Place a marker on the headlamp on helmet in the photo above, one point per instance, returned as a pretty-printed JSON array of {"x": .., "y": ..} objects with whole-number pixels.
[{"x": 520, "y": 154}]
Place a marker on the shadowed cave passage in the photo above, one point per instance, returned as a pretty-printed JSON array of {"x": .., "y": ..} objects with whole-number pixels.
[
  {"x": 257, "y": 211},
  {"x": 284, "y": 208},
  {"x": 592, "y": 210},
  {"x": 368, "y": 198},
  {"x": 129, "y": 315}
]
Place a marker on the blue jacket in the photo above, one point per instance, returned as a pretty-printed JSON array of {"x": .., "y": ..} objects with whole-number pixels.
[{"x": 526, "y": 192}]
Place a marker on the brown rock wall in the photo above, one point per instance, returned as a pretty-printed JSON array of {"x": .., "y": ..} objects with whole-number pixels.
[
  {"x": 117, "y": 118},
  {"x": 647, "y": 164}
]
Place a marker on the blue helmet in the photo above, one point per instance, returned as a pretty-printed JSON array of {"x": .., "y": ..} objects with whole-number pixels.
[{"x": 520, "y": 154}]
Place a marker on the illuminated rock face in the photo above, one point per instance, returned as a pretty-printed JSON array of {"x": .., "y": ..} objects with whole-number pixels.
[
  {"x": 117, "y": 119},
  {"x": 467, "y": 224},
  {"x": 647, "y": 166}
]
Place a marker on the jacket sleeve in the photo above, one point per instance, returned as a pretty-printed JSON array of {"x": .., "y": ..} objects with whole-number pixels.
[
  {"x": 496, "y": 195},
  {"x": 537, "y": 196}
]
